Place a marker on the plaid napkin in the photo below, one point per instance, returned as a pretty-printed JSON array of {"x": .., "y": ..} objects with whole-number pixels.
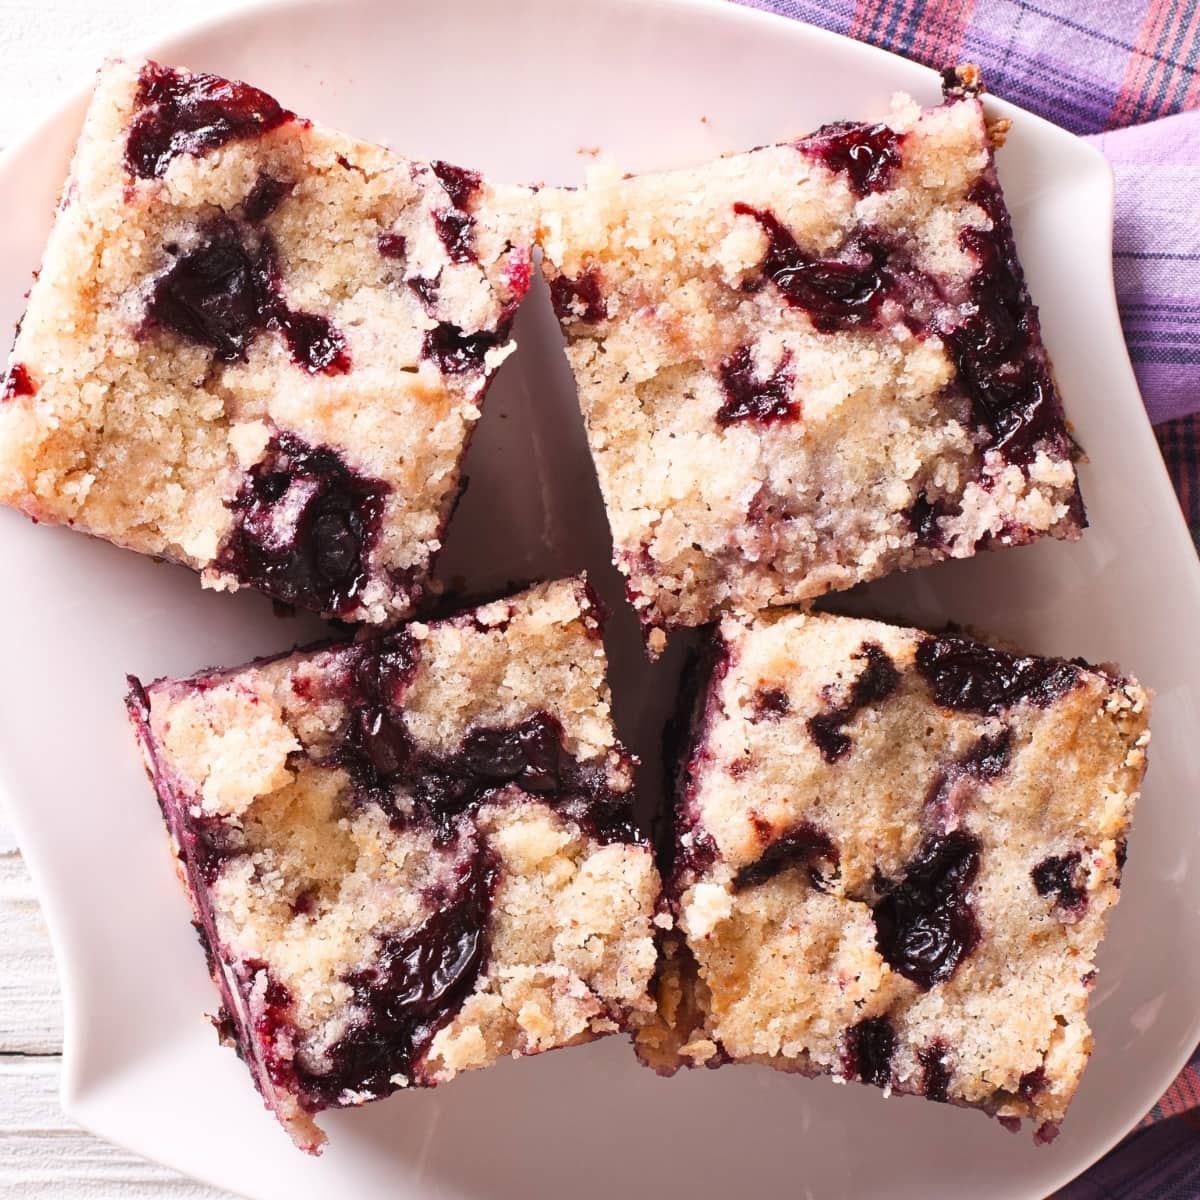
[{"x": 1125, "y": 73}]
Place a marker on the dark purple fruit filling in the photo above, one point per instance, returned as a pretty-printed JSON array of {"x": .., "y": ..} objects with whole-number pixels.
[
  {"x": 18, "y": 382},
  {"x": 868, "y": 1051},
  {"x": 204, "y": 844},
  {"x": 387, "y": 766},
  {"x": 985, "y": 762},
  {"x": 923, "y": 517},
  {"x": 751, "y": 398},
  {"x": 1063, "y": 878},
  {"x": 992, "y": 336},
  {"x": 996, "y": 348},
  {"x": 693, "y": 856},
  {"x": 192, "y": 114},
  {"x": 837, "y": 293},
  {"x": 392, "y": 245},
  {"x": 271, "y": 1025},
  {"x": 868, "y": 154},
  {"x": 1031, "y": 1083},
  {"x": 532, "y": 756},
  {"x": 456, "y": 352},
  {"x": 226, "y": 291},
  {"x": 265, "y": 197},
  {"x": 579, "y": 299},
  {"x": 988, "y": 759},
  {"x": 426, "y": 290},
  {"x": 376, "y": 743},
  {"x": 460, "y": 183},
  {"x": 315, "y": 343},
  {"x": 216, "y": 294},
  {"x": 456, "y": 232},
  {"x": 455, "y": 225},
  {"x": 935, "y": 1075},
  {"x": 272, "y": 1017},
  {"x": 304, "y": 527},
  {"x": 419, "y": 981},
  {"x": 875, "y": 683},
  {"x": 684, "y": 848},
  {"x": 770, "y": 704},
  {"x": 803, "y": 846},
  {"x": 971, "y": 677},
  {"x": 924, "y": 925}
]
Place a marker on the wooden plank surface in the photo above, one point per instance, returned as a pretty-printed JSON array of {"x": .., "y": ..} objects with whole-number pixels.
[
  {"x": 43, "y": 1156},
  {"x": 49, "y": 49}
]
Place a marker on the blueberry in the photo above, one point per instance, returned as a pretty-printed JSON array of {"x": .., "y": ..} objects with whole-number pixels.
[
  {"x": 801, "y": 846},
  {"x": 868, "y": 1051},
  {"x": 418, "y": 981},
  {"x": 837, "y": 293},
  {"x": 578, "y": 299},
  {"x": 867, "y": 154},
  {"x": 456, "y": 352},
  {"x": 191, "y": 114},
  {"x": 995, "y": 347},
  {"x": 875, "y": 683},
  {"x": 770, "y": 704},
  {"x": 1060, "y": 876},
  {"x": 971, "y": 677},
  {"x": 924, "y": 925},
  {"x": 334, "y": 514},
  {"x": 225, "y": 291},
  {"x": 750, "y": 398}
]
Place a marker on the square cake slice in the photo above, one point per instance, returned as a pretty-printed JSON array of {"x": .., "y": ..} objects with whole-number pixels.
[
  {"x": 894, "y": 854},
  {"x": 809, "y": 365},
  {"x": 258, "y": 347},
  {"x": 409, "y": 856}
]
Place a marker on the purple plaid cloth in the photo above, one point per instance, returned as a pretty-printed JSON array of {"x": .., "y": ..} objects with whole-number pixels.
[
  {"x": 1126, "y": 73},
  {"x": 1156, "y": 257}
]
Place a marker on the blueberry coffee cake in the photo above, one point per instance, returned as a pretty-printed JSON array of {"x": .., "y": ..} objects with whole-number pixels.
[
  {"x": 809, "y": 365},
  {"x": 893, "y": 857},
  {"x": 410, "y": 855},
  {"x": 258, "y": 347}
]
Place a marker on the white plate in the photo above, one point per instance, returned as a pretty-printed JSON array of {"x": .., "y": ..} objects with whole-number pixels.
[{"x": 519, "y": 89}]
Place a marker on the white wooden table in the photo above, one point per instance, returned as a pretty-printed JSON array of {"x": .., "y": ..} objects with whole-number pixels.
[{"x": 49, "y": 47}]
